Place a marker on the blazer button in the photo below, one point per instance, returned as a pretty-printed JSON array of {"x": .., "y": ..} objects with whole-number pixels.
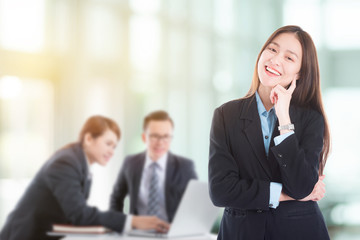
[
  {"x": 284, "y": 165},
  {"x": 259, "y": 211},
  {"x": 279, "y": 155}
]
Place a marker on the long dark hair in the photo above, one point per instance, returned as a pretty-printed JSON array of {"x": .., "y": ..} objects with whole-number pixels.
[{"x": 307, "y": 92}]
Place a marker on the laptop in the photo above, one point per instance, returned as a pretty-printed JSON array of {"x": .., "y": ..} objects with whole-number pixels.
[{"x": 195, "y": 215}]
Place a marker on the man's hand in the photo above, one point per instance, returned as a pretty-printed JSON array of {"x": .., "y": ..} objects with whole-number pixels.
[{"x": 149, "y": 222}]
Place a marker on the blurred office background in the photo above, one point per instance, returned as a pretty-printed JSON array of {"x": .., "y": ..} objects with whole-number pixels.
[{"x": 62, "y": 61}]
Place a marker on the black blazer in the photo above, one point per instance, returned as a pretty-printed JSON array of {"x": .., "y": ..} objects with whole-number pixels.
[
  {"x": 179, "y": 171},
  {"x": 240, "y": 174},
  {"x": 58, "y": 194}
]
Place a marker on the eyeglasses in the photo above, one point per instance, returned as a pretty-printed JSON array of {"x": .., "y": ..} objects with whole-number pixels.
[{"x": 156, "y": 138}]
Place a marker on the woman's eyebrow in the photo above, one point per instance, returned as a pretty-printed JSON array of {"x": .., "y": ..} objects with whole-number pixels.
[{"x": 291, "y": 52}]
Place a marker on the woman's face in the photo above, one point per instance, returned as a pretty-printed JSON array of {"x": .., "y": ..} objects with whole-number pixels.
[
  {"x": 100, "y": 149},
  {"x": 280, "y": 62}
]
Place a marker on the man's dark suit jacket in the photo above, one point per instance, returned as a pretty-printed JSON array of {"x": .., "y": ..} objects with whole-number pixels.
[
  {"x": 179, "y": 171},
  {"x": 240, "y": 174},
  {"x": 58, "y": 194}
]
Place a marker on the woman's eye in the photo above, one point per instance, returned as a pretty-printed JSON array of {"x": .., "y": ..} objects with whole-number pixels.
[
  {"x": 289, "y": 58},
  {"x": 272, "y": 49}
]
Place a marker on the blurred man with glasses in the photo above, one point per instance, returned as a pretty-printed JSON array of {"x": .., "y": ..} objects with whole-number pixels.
[{"x": 156, "y": 178}]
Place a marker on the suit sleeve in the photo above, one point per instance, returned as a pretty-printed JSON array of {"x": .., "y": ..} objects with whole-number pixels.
[
  {"x": 226, "y": 188},
  {"x": 191, "y": 171},
  {"x": 299, "y": 158},
  {"x": 120, "y": 190},
  {"x": 63, "y": 178}
]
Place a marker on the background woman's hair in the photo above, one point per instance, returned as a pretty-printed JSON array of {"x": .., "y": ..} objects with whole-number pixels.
[
  {"x": 307, "y": 93},
  {"x": 97, "y": 125}
]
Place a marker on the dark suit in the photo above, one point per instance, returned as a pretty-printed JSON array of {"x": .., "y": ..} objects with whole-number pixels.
[
  {"x": 240, "y": 174},
  {"x": 179, "y": 171},
  {"x": 58, "y": 194}
]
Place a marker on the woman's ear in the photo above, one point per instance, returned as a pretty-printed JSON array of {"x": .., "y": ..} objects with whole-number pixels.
[{"x": 88, "y": 139}]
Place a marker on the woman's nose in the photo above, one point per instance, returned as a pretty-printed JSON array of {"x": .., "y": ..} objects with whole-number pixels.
[
  {"x": 111, "y": 151},
  {"x": 275, "y": 59}
]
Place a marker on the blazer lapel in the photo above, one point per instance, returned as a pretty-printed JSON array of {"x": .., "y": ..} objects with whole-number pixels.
[
  {"x": 86, "y": 177},
  {"x": 136, "y": 178},
  {"x": 253, "y": 132},
  {"x": 170, "y": 172},
  {"x": 87, "y": 188}
]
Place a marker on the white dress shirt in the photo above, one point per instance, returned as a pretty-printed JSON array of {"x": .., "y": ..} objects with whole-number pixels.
[
  {"x": 127, "y": 226},
  {"x": 144, "y": 186},
  {"x": 268, "y": 119}
]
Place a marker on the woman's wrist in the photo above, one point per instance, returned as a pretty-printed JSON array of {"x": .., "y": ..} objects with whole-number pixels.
[{"x": 284, "y": 120}]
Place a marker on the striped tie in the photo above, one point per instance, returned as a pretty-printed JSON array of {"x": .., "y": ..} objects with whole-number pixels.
[{"x": 153, "y": 198}]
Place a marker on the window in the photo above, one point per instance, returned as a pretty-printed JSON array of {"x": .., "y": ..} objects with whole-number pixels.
[
  {"x": 26, "y": 133},
  {"x": 22, "y": 25}
]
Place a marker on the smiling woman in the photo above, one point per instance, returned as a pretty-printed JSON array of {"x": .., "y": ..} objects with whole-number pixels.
[
  {"x": 101, "y": 149},
  {"x": 280, "y": 62},
  {"x": 99, "y": 138},
  {"x": 268, "y": 175}
]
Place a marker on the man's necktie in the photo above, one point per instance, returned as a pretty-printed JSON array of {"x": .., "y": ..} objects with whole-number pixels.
[{"x": 153, "y": 197}]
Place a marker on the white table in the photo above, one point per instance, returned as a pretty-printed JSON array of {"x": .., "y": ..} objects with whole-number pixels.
[{"x": 114, "y": 236}]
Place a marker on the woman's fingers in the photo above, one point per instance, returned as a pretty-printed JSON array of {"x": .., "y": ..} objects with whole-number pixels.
[
  {"x": 273, "y": 96},
  {"x": 292, "y": 87},
  {"x": 275, "y": 92},
  {"x": 319, "y": 190}
]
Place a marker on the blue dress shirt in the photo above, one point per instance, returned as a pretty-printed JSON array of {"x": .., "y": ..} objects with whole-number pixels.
[{"x": 268, "y": 120}]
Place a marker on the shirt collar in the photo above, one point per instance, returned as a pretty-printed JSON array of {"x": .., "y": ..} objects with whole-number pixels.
[
  {"x": 261, "y": 108},
  {"x": 161, "y": 161}
]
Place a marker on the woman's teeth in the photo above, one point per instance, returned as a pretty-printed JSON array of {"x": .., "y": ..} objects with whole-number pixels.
[{"x": 272, "y": 71}]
